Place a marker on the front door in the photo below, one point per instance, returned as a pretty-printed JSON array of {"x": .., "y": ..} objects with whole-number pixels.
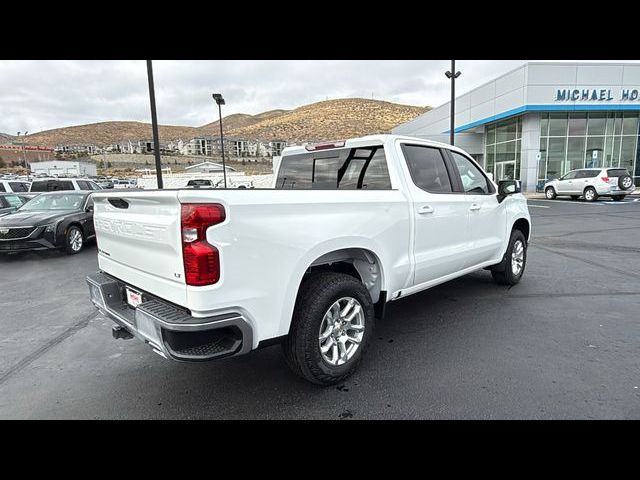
[
  {"x": 441, "y": 215},
  {"x": 567, "y": 184},
  {"x": 487, "y": 217}
]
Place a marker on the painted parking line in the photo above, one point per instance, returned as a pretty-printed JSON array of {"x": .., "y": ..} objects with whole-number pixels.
[
  {"x": 629, "y": 201},
  {"x": 537, "y": 206}
]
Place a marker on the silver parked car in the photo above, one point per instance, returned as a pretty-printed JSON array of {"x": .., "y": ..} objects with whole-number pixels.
[{"x": 592, "y": 183}]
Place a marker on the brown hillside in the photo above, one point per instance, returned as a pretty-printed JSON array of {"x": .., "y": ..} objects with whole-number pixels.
[
  {"x": 106, "y": 133},
  {"x": 6, "y": 138},
  {"x": 238, "y": 120},
  {"x": 332, "y": 119}
]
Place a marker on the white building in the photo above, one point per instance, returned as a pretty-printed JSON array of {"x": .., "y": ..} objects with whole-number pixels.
[
  {"x": 63, "y": 167},
  {"x": 544, "y": 119},
  {"x": 208, "y": 167}
]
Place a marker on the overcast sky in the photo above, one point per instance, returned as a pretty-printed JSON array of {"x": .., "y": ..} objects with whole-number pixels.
[{"x": 40, "y": 95}]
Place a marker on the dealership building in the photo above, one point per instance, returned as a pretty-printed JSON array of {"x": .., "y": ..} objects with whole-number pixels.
[{"x": 544, "y": 119}]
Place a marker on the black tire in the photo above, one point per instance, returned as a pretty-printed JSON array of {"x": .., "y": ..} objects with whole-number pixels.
[
  {"x": 575, "y": 197},
  {"x": 618, "y": 198},
  {"x": 590, "y": 194},
  {"x": 550, "y": 193},
  {"x": 625, "y": 182},
  {"x": 503, "y": 273},
  {"x": 302, "y": 348},
  {"x": 70, "y": 247}
]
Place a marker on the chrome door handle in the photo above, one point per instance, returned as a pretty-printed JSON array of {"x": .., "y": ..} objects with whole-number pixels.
[
  {"x": 425, "y": 209},
  {"x": 474, "y": 207}
]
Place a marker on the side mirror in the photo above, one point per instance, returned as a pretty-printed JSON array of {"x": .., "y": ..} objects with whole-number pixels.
[
  {"x": 508, "y": 187},
  {"x": 89, "y": 209}
]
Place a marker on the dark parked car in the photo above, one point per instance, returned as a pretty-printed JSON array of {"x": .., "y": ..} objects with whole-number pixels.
[{"x": 56, "y": 220}]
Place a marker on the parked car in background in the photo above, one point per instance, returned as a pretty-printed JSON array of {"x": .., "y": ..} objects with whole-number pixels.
[
  {"x": 200, "y": 182},
  {"x": 200, "y": 274},
  {"x": 234, "y": 183},
  {"x": 231, "y": 183},
  {"x": 124, "y": 184},
  {"x": 592, "y": 183},
  {"x": 55, "y": 220},
  {"x": 9, "y": 202},
  {"x": 14, "y": 186},
  {"x": 60, "y": 184},
  {"x": 106, "y": 184}
]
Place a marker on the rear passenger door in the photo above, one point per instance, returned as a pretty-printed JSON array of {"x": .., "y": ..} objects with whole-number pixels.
[
  {"x": 441, "y": 214},
  {"x": 487, "y": 217}
]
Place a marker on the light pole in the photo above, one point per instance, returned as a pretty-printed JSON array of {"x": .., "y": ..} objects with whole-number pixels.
[
  {"x": 24, "y": 156},
  {"x": 220, "y": 101},
  {"x": 154, "y": 124},
  {"x": 453, "y": 77}
]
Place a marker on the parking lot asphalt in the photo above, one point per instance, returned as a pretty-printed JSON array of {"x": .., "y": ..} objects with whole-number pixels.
[{"x": 564, "y": 343}]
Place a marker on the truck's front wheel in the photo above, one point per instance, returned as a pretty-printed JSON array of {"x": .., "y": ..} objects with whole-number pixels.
[{"x": 332, "y": 323}]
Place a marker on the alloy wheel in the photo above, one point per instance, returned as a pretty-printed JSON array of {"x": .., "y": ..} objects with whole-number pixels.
[{"x": 341, "y": 331}]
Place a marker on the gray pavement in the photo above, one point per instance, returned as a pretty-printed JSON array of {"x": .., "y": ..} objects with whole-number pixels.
[{"x": 564, "y": 343}]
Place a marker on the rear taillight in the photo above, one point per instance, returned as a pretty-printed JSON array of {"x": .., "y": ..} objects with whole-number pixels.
[
  {"x": 201, "y": 259},
  {"x": 605, "y": 179}
]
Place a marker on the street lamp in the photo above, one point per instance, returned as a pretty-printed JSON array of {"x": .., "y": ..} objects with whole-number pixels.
[
  {"x": 220, "y": 101},
  {"x": 24, "y": 157},
  {"x": 452, "y": 76}
]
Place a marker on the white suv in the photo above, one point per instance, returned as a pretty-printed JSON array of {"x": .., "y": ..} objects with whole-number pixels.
[
  {"x": 592, "y": 183},
  {"x": 58, "y": 184},
  {"x": 13, "y": 186}
]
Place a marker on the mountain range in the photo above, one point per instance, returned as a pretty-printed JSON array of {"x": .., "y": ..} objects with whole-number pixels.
[{"x": 327, "y": 120}]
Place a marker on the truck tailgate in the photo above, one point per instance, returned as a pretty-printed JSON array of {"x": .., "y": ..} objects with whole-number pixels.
[{"x": 131, "y": 225}]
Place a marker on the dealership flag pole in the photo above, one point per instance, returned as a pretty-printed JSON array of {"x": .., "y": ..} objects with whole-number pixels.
[
  {"x": 154, "y": 124},
  {"x": 453, "y": 77}
]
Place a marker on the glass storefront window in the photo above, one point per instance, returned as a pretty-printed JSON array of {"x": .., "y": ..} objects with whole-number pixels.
[
  {"x": 578, "y": 124},
  {"x": 502, "y": 149},
  {"x": 591, "y": 140},
  {"x": 617, "y": 129},
  {"x": 628, "y": 152},
  {"x": 556, "y": 157},
  {"x": 491, "y": 135},
  {"x": 630, "y": 123},
  {"x": 595, "y": 152},
  {"x": 597, "y": 123},
  {"x": 558, "y": 124},
  {"x": 575, "y": 153},
  {"x": 544, "y": 124}
]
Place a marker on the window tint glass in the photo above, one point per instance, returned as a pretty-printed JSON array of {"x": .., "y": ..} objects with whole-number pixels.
[
  {"x": 13, "y": 200},
  {"x": 617, "y": 172},
  {"x": 19, "y": 186},
  {"x": 570, "y": 176},
  {"x": 472, "y": 178},
  {"x": 2, "y": 189},
  {"x": 94, "y": 186},
  {"x": 39, "y": 186},
  {"x": 3, "y": 203},
  {"x": 343, "y": 169},
  {"x": 62, "y": 185},
  {"x": 587, "y": 173},
  {"x": 427, "y": 168},
  {"x": 83, "y": 185}
]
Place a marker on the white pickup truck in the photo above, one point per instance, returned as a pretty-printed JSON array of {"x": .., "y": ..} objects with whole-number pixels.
[{"x": 310, "y": 263}]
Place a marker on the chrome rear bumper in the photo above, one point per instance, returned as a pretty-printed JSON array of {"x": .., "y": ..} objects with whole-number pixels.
[{"x": 170, "y": 330}]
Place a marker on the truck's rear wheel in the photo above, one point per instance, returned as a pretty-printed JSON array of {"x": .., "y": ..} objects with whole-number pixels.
[{"x": 332, "y": 323}]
